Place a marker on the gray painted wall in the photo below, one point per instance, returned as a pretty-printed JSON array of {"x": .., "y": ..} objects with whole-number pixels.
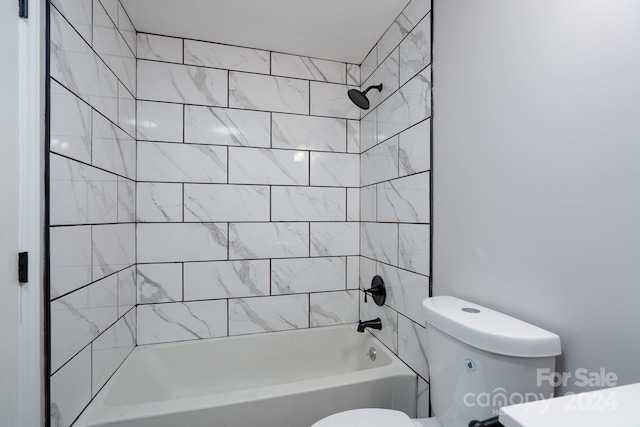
[{"x": 536, "y": 169}]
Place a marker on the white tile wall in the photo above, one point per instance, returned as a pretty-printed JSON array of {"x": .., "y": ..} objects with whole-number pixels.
[
  {"x": 304, "y": 275},
  {"x": 226, "y": 279},
  {"x": 157, "y": 283},
  {"x": 335, "y": 169},
  {"x": 159, "y": 121},
  {"x": 268, "y": 240},
  {"x": 160, "y": 81},
  {"x": 333, "y": 308},
  {"x": 265, "y": 314},
  {"x": 308, "y": 204},
  {"x": 256, "y": 92},
  {"x": 223, "y": 202},
  {"x": 266, "y": 166},
  {"x": 71, "y": 389},
  {"x": 309, "y": 132},
  {"x": 182, "y": 242},
  {"x": 181, "y": 321},
  {"x": 308, "y": 68},
  {"x": 226, "y": 57},
  {"x": 223, "y": 126}
]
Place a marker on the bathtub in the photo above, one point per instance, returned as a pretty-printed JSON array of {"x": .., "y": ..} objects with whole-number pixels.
[{"x": 278, "y": 379}]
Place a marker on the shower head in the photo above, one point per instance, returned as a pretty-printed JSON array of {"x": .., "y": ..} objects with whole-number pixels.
[{"x": 360, "y": 98}]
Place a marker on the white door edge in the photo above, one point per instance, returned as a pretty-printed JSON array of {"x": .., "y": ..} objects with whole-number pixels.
[{"x": 31, "y": 87}]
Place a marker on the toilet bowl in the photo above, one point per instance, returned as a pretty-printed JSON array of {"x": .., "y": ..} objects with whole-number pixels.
[{"x": 472, "y": 351}]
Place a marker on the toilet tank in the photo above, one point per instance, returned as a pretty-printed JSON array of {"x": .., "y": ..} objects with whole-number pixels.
[{"x": 480, "y": 360}]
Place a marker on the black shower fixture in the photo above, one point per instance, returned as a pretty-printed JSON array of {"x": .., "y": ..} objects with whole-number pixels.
[{"x": 360, "y": 98}]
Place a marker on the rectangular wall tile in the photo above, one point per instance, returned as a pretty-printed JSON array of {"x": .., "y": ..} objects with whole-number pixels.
[
  {"x": 76, "y": 66},
  {"x": 158, "y": 202},
  {"x": 353, "y": 74},
  {"x": 160, "y": 81},
  {"x": 181, "y": 321},
  {"x": 353, "y": 136},
  {"x": 71, "y": 389},
  {"x": 78, "y": 13},
  {"x": 308, "y": 204},
  {"x": 126, "y": 290},
  {"x": 182, "y": 242},
  {"x": 329, "y": 99},
  {"x": 335, "y": 169},
  {"x": 224, "y": 126},
  {"x": 307, "y": 68},
  {"x": 405, "y": 290},
  {"x": 126, "y": 110},
  {"x": 353, "y": 272},
  {"x": 70, "y": 124},
  {"x": 278, "y": 94},
  {"x": 126, "y": 200},
  {"x": 113, "y": 149},
  {"x": 408, "y": 106},
  {"x": 368, "y": 269},
  {"x": 353, "y": 204},
  {"x": 303, "y": 275},
  {"x": 159, "y": 48},
  {"x": 334, "y": 308},
  {"x": 78, "y": 318},
  {"x": 379, "y": 241},
  {"x": 387, "y": 74},
  {"x": 415, "y": 50},
  {"x": 70, "y": 259},
  {"x": 126, "y": 28},
  {"x": 159, "y": 121},
  {"x": 226, "y": 279},
  {"x": 157, "y": 283},
  {"x": 268, "y": 240},
  {"x": 368, "y": 208},
  {"x": 405, "y": 199},
  {"x": 369, "y": 64},
  {"x": 266, "y": 166},
  {"x": 414, "y": 149},
  {"x": 81, "y": 194},
  {"x": 389, "y": 317},
  {"x": 414, "y": 247},
  {"x": 181, "y": 162},
  {"x": 369, "y": 130},
  {"x": 112, "y": 48},
  {"x": 380, "y": 163},
  {"x": 334, "y": 238},
  {"x": 110, "y": 349},
  {"x": 412, "y": 345},
  {"x": 114, "y": 248},
  {"x": 226, "y": 57},
  {"x": 223, "y": 203},
  {"x": 266, "y": 314},
  {"x": 309, "y": 133}
]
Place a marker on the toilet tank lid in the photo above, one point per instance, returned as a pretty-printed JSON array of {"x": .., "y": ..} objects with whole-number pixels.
[{"x": 488, "y": 330}]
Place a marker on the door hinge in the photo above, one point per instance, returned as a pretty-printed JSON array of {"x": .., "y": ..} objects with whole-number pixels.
[
  {"x": 23, "y": 8},
  {"x": 23, "y": 267}
]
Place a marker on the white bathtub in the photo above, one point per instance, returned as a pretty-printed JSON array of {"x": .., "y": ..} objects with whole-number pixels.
[{"x": 279, "y": 379}]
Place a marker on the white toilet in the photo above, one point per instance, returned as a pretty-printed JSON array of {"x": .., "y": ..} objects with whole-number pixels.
[{"x": 479, "y": 360}]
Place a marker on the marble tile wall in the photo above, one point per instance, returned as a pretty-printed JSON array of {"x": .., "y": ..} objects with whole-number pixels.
[
  {"x": 93, "y": 199},
  {"x": 396, "y": 186},
  {"x": 248, "y": 191}
]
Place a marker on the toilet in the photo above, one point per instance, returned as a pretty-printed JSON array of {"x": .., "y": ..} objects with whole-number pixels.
[{"x": 479, "y": 360}]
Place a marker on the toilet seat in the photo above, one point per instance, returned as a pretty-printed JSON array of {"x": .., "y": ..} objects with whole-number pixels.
[{"x": 374, "y": 417}]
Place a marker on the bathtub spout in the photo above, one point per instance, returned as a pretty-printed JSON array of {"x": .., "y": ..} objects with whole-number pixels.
[{"x": 374, "y": 324}]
